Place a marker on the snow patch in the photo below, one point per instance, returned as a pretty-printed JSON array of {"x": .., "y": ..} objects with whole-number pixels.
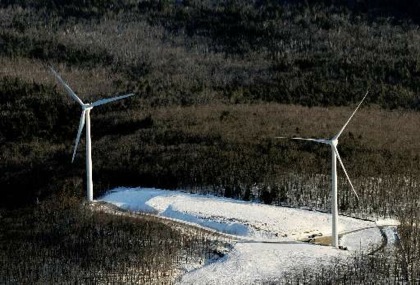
[
  {"x": 391, "y": 234},
  {"x": 267, "y": 246},
  {"x": 253, "y": 220},
  {"x": 387, "y": 222},
  {"x": 256, "y": 263},
  {"x": 228, "y": 228},
  {"x": 364, "y": 240}
]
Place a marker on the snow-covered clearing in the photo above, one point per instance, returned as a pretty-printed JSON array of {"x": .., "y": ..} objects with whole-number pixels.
[
  {"x": 255, "y": 263},
  {"x": 268, "y": 237}
]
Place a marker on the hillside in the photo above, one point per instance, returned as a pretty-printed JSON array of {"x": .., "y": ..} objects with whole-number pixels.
[
  {"x": 215, "y": 83},
  {"x": 208, "y": 76}
]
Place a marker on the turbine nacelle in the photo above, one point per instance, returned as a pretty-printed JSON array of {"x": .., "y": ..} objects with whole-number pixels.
[
  {"x": 86, "y": 107},
  {"x": 334, "y": 142}
]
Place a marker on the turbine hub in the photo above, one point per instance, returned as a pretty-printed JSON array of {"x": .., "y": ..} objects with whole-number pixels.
[
  {"x": 87, "y": 107},
  {"x": 334, "y": 142}
]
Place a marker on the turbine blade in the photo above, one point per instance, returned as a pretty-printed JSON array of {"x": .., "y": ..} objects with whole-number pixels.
[
  {"x": 306, "y": 139},
  {"x": 79, "y": 132},
  {"x": 68, "y": 89},
  {"x": 344, "y": 169},
  {"x": 345, "y": 125},
  {"x": 313, "y": 140},
  {"x": 104, "y": 101}
]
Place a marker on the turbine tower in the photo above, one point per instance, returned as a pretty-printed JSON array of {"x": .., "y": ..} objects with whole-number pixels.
[
  {"x": 333, "y": 142},
  {"x": 85, "y": 118}
]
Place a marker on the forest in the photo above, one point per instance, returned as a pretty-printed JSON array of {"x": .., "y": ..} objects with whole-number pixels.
[{"x": 215, "y": 82}]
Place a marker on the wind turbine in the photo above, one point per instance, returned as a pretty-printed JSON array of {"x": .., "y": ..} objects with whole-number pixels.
[
  {"x": 85, "y": 117},
  {"x": 333, "y": 142}
]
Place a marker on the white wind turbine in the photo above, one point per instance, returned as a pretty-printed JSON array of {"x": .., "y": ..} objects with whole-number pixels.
[
  {"x": 334, "y": 155},
  {"x": 85, "y": 117}
]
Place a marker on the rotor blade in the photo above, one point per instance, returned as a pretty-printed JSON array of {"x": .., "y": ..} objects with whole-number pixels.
[
  {"x": 306, "y": 139},
  {"x": 344, "y": 169},
  {"x": 79, "y": 132},
  {"x": 68, "y": 89},
  {"x": 104, "y": 101},
  {"x": 345, "y": 125}
]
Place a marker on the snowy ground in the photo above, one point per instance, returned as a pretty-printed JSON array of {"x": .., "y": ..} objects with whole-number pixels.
[{"x": 268, "y": 237}]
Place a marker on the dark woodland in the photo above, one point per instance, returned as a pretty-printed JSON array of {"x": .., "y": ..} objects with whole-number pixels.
[{"x": 215, "y": 82}]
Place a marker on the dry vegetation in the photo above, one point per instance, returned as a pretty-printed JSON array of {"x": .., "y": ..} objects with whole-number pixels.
[
  {"x": 62, "y": 242},
  {"x": 216, "y": 81}
]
